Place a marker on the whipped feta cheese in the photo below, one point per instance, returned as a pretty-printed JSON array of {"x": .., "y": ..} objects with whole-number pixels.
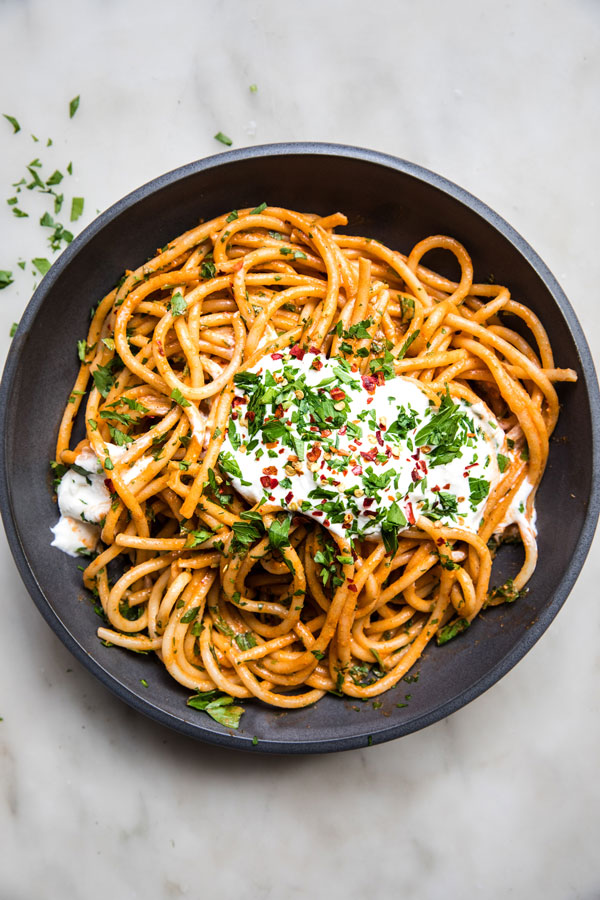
[
  {"x": 516, "y": 514},
  {"x": 74, "y": 537},
  {"x": 362, "y": 455},
  {"x": 83, "y": 495},
  {"x": 84, "y": 499}
]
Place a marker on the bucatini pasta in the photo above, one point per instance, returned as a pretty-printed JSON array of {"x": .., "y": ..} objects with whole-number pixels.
[{"x": 302, "y": 448}]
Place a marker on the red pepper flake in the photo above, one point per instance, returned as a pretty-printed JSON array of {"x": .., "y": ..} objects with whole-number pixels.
[
  {"x": 357, "y": 470},
  {"x": 447, "y": 487},
  {"x": 270, "y": 470},
  {"x": 297, "y": 351},
  {"x": 109, "y": 485},
  {"x": 238, "y": 401},
  {"x": 279, "y": 411},
  {"x": 440, "y": 542},
  {"x": 369, "y": 400},
  {"x": 326, "y": 523},
  {"x": 265, "y": 480},
  {"x": 370, "y": 454},
  {"x": 411, "y": 514},
  {"x": 379, "y": 438},
  {"x": 369, "y": 383},
  {"x": 314, "y": 453},
  {"x": 416, "y": 475},
  {"x": 317, "y": 512},
  {"x": 159, "y": 346},
  {"x": 251, "y": 415},
  {"x": 368, "y": 501},
  {"x": 342, "y": 430},
  {"x": 436, "y": 489},
  {"x": 326, "y": 432},
  {"x": 276, "y": 355},
  {"x": 317, "y": 365},
  {"x": 338, "y": 394},
  {"x": 288, "y": 496},
  {"x": 313, "y": 350},
  {"x": 352, "y": 587}
]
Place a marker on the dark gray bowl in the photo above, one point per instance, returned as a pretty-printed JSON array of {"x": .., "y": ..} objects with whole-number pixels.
[{"x": 386, "y": 198}]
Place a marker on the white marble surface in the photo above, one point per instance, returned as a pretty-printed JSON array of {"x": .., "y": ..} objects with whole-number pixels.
[{"x": 502, "y": 799}]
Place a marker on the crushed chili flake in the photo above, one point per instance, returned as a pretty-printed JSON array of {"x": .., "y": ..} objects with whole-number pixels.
[
  {"x": 369, "y": 383},
  {"x": 314, "y": 453}
]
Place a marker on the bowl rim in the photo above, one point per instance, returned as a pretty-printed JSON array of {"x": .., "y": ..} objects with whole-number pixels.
[{"x": 529, "y": 637}]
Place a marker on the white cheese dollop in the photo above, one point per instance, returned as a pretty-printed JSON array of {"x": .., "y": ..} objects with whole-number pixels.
[
  {"x": 371, "y": 466},
  {"x": 516, "y": 514},
  {"x": 84, "y": 500}
]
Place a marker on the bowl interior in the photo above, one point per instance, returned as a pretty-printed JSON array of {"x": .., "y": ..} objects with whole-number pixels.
[{"x": 389, "y": 200}]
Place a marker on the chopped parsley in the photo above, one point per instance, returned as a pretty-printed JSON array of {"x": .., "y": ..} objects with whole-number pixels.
[
  {"x": 15, "y": 125},
  {"x": 219, "y": 706}
]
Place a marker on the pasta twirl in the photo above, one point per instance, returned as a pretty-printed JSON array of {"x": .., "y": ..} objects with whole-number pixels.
[{"x": 302, "y": 448}]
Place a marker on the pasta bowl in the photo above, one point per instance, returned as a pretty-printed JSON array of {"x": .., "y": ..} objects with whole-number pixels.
[{"x": 384, "y": 198}]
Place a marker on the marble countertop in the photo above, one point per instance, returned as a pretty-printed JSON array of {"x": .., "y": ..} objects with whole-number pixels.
[{"x": 500, "y": 800}]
